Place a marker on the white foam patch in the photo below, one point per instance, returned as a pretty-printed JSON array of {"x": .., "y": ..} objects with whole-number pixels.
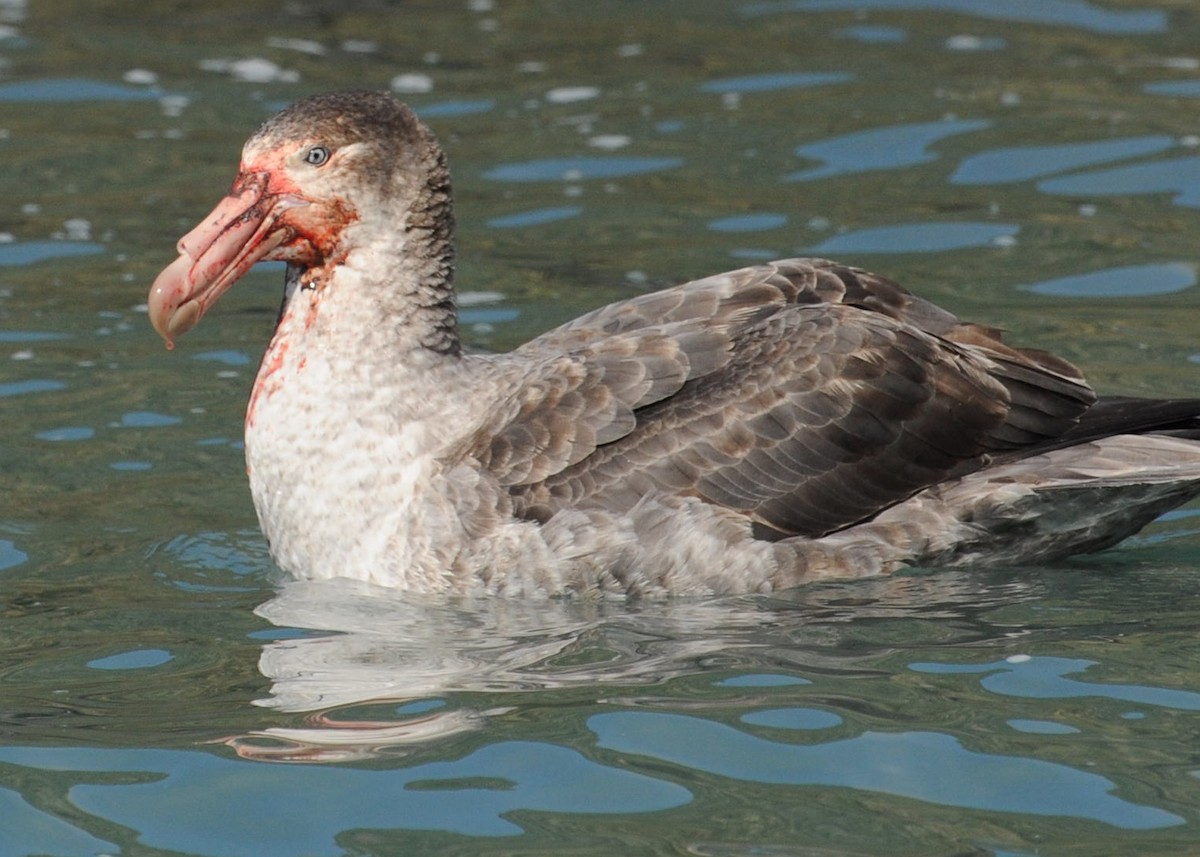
[
  {"x": 571, "y": 94},
  {"x": 412, "y": 82}
]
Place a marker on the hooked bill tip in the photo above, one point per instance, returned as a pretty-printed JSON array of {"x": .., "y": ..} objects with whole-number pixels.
[{"x": 183, "y": 319}]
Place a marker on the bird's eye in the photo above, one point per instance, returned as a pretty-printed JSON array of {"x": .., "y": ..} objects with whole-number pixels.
[{"x": 316, "y": 156}]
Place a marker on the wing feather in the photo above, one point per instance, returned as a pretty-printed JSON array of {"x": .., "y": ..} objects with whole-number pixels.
[{"x": 805, "y": 394}]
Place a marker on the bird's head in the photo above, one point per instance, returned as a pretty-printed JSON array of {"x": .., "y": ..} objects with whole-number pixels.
[{"x": 310, "y": 176}]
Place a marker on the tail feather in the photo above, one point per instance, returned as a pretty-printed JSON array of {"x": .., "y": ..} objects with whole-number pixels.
[
  {"x": 1078, "y": 499},
  {"x": 1117, "y": 415},
  {"x": 1065, "y": 501}
]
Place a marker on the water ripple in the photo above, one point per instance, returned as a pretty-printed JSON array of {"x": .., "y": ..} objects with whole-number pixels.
[
  {"x": 1129, "y": 281},
  {"x": 73, "y": 89},
  {"x": 148, "y": 419},
  {"x": 926, "y": 766},
  {"x": 1178, "y": 175},
  {"x": 873, "y": 34},
  {"x": 916, "y": 238},
  {"x": 457, "y": 108},
  {"x": 36, "y": 385},
  {"x": 135, "y": 659},
  {"x": 579, "y": 169},
  {"x": 1064, "y": 13},
  {"x": 793, "y": 718},
  {"x": 15, "y": 337},
  {"x": 29, "y": 830},
  {"x": 1044, "y": 678},
  {"x": 11, "y": 555},
  {"x": 1019, "y": 163},
  {"x": 1042, "y": 727},
  {"x": 67, "y": 433},
  {"x": 228, "y": 799},
  {"x": 762, "y": 680},
  {"x": 748, "y": 222},
  {"x": 1179, "y": 88},
  {"x": 228, "y": 357},
  {"x": 29, "y": 252},
  {"x": 778, "y": 80},
  {"x": 535, "y": 217},
  {"x": 888, "y": 148}
]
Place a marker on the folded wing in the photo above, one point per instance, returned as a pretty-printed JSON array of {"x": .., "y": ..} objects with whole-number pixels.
[{"x": 807, "y": 395}]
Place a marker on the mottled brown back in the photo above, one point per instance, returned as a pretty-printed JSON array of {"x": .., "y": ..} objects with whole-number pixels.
[{"x": 805, "y": 394}]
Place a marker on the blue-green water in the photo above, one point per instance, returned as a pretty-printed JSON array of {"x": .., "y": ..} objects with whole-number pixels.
[{"x": 164, "y": 691}]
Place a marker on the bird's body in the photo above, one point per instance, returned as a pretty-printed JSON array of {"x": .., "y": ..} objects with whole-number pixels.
[{"x": 744, "y": 432}]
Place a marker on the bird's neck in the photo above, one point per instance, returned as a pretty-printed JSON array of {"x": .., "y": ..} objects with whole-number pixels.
[
  {"x": 378, "y": 316},
  {"x": 387, "y": 285},
  {"x": 391, "y": 292}
]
